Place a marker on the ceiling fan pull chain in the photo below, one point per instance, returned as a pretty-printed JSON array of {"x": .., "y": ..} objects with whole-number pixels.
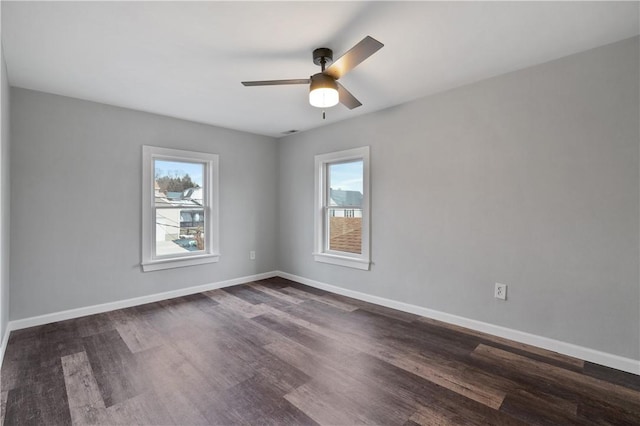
[{"x": 324, "y": 117}]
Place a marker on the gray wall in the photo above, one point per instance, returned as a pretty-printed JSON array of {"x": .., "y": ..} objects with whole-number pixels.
[
  {"x": 76, "y": 208},
  {"x": 529, "y": 179},
  {"x": 4, "y": 199}
]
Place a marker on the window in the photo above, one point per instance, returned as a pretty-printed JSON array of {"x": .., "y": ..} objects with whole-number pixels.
[
  {"x": 179, "y": 208},
  {"x": 342, "y": 208}
]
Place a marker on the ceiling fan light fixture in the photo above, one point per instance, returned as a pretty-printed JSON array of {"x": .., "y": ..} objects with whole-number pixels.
[{"x": 323, "y": 92}]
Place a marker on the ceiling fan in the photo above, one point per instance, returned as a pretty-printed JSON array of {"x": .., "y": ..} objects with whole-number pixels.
[{"x": 324, "y": 89}]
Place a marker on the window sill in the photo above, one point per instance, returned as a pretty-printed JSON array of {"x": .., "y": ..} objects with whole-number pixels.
[
  {"x": 346, "y": 261},
  {"x": 157, "y": 265}
]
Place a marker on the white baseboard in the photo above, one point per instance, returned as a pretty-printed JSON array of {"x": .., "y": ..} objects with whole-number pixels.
[
  {"x": 3, "y": 345},
  {"x": 587, "y": 354},
  {"x": 120, "y": 304}
]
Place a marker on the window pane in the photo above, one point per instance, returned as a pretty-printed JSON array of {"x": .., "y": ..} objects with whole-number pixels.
[
  {"x": 345, "y": 184},
  {"x": 178, "y": 183},
  {"x": 345, "y": 206},
  {"x": 179, "y": 231},
  {"x": 345, "y": 229}
]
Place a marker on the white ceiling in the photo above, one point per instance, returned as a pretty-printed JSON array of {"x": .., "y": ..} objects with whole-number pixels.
[{"x": 186, "y": 60}]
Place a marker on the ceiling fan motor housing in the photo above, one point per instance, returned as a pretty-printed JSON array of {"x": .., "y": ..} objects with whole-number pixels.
[
  {"x": 323, "y": 53},
  {"x": 321, "y": 80}
]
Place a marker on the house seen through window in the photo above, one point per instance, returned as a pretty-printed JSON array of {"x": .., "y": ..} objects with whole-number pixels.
[{"x": 180, "y": 208}]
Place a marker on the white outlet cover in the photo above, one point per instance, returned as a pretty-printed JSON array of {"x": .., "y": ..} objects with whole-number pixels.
[{"x": 501, "y": 291}]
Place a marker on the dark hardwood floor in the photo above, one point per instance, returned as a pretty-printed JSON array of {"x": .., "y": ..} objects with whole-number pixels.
[{"x": 277, "y": 352}]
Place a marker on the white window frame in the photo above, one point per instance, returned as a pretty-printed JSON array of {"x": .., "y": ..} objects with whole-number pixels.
[
  {"x": 321, "y": 251},
  {"x": 211, "y": 206}
]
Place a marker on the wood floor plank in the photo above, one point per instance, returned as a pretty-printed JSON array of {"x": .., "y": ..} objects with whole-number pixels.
[
  {"x": 241, "y": 306},
  {"x": 275, "y": 293},
  {"x": 210, "y": 355},
  {"x": 170, "y": 318},
  {"x": 322, "y": 410},
  {"x": 425, "y": 393},
  {"x": 305, "y": 295},
  {"x": 558, "y": 375},
  {"x": 433, "y": 416},
  {"x": 37, "y": 404},
  {"x": 392, "y": 332},
  {"x": 255, "y": 402},
  {"x": 622, "y": 378},
  {"x": 249, "y": 294},
  {"x": 3, "y": 405},
  {"x": 115, "y": 369},
  {"x": 277, "y": 282},
  {"x": 206, "y": 354},
  {"x": 136, "y": 332},
  {"x": 327, "y": 404},
  {"x": 465, "y": 339},
  {"x": 613, "y": 401},
  {"x": 182, "y": 386},
  {"x": 336, "y": 384},
  {"x": 141, "y": 409},
  {"x": 331, "y": 318},
  {"x": 43, "y": 401},
  {"x": 280, "y": 376},
  {"x": 380, "y": 310},
  {"x": 292, "y": 331},
  {"x": 306, "y": 360},
  {"x": 183, "y": 314},
  {"x": 532, "y": 410},
  {"x": 86, "y": 405},
  {"x": 598, "y": 412},
  {"x": 564, "y": 359},
  {"x": 427, "y": 418},
  {"x": 449, "y": 414},
  {"x": 558, "y": 398},
  {"x": 448, "y": 377},
  {"x": 93, "y": 324},
  {"x": 30, "y": 354}
]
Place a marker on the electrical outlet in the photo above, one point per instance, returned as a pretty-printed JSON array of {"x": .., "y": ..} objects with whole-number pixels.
[
  {"x": 252, "y": 255},
  {"x": 501, "y": 291}
]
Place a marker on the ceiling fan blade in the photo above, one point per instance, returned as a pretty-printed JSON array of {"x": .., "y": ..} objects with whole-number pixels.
[
  {"x": 276, "y": 82},
  {"x": 357, "y": 54},
  {"x": 346, "y": 98}
]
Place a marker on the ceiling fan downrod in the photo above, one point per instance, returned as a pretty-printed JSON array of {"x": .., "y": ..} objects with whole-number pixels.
[{"x": 323, "y": 57}]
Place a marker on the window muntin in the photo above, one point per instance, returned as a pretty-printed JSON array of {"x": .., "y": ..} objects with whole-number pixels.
[
  {"x": 342, "y": 208},
  {"x": 180, "y": 208}
]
